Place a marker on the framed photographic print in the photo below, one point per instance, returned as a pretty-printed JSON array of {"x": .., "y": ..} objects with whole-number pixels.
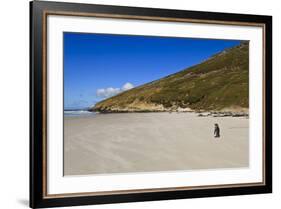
[{"x": 139, "y": 104}]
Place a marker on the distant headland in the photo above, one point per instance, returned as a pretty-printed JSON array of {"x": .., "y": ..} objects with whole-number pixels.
[{"x": 219, "y": 85}]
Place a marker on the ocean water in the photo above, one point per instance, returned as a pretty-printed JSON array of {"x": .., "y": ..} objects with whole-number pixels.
[{"x": 77, "y": 113}]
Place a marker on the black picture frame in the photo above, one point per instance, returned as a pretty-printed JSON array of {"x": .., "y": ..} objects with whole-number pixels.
[{"x": 38, "y": 11}]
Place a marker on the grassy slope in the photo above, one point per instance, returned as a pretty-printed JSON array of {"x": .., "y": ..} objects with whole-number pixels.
[{"x": 217, "y": 83}]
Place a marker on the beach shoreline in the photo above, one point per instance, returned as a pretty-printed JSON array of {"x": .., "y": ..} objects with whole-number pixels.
[{"x": 151, "y": 142}]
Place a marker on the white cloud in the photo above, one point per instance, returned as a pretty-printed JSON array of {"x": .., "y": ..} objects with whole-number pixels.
[
  {"x": 110, "y": 91},
  {"x": 127, "y": 86}
]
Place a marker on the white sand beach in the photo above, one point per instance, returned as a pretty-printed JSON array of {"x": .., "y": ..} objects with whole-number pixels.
[{"x": 147, "y": 142}]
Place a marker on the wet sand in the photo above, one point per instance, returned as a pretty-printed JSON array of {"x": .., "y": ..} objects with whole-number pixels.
[{"x": 147, "y": 142}]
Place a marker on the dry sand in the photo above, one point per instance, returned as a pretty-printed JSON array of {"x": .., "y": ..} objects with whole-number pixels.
[{"x": 147, "y": 142}]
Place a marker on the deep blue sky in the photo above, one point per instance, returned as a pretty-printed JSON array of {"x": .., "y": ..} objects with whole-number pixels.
[{"x": 103, "y": 63}]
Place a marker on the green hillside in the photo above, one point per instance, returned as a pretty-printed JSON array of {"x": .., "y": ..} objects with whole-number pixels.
[{"x": 221, "y": 82}]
